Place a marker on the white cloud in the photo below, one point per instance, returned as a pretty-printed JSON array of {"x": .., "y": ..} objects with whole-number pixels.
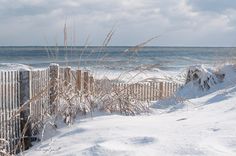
[
  {"x": 212, "y": 5},
  {"x": 181, "y": 22}
]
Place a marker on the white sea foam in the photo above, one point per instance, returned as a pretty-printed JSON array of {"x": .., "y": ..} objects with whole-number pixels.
[{"x": 14, "y": 66}]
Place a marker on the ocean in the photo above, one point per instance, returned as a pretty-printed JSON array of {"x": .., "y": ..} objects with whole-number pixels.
[{"x": 117, "y": 58}]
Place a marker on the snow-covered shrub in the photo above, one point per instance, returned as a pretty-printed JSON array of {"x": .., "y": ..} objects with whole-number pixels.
[
  {"x": 69, "y": 103},
  {"x": 203, "y": 77},
  {"x": 123, "y": 104},
  {"x": 3, "y": 144},
  {"x": 111, "y": 100}
]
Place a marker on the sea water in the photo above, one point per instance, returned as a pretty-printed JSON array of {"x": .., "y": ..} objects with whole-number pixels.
[{"x": 117, "y": 58}]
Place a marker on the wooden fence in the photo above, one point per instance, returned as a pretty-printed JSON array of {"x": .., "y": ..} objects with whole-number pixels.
[
  {"x": 16, "y": 88},
  {"x": 39, "y": 86},
  {"x": 148, "y": 91},
  {"x": 142, "y": 91},
  {"x": 26, "y": 95},
  {"x": 9, "y": 104}
]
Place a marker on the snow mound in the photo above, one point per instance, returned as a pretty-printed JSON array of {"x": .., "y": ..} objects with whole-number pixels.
[
  {"x": 169, "y": 105},
  {"x": 202, "y": 80},
  {"x": 203, "y": 77}
]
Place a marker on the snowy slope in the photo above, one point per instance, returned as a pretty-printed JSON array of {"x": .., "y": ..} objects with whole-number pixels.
[
  {"x": 201, "y": 125},
  {"x": 208, "y": 128}
]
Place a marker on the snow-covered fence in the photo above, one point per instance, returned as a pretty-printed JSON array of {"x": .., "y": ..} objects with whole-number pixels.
[
  {"x": 27, "y": 95},
  {"x": 80, "y": 81},
  {"x": 39, "y": 92},
  {"x": 9, "y": 104},
  {"x": 23, "y": 96},
  {"x": 149, "y": 91}
]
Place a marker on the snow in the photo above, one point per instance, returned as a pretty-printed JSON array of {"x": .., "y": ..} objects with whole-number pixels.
[
  {"x": 14, "y": 66},
  {"x": 17, "y": 67},
  {"x": 137, "y": 75},
  {"x": 189, "y": 124}
]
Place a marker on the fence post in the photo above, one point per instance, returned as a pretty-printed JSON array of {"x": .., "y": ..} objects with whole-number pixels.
[
  {"x": 67, "y": 73},
  {"x": 78, "y": 80},
  {"x": 142, "y": 92},
  {"x": 86, "y": 82},
  {"x": 53, "y": 85},
  {"x": 168, "y": 89},
  {"x": 25, "y": 96},
  {"x": 171, "y": 89},
  {"x": 161, "y": 90},
  {"x": 91, "y": 82}
]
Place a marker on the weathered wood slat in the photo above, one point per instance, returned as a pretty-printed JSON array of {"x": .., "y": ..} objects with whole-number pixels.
[
  {"x": 86, "y": 82},
  {"x": 5, "y": 106},
  {"x": 1, "y": 109},
  {"x": 79, "y": 80}
]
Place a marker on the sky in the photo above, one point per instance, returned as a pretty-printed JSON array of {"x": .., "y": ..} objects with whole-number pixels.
[{"x": 176, "y": 22}]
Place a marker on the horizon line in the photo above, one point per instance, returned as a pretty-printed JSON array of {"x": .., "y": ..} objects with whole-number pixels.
[{"x": 165, "y": 46}]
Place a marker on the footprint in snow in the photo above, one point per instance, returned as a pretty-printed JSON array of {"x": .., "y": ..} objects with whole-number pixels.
[
  {"x": 141, "y": 140},
  {"x": 215, "y": 129},
  {"x": 181, "y": 119}
]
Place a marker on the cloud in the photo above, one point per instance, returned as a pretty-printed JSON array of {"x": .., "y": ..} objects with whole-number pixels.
[
  {"x": 212, "y": 5},
  {"x": 180, "y": 22}
]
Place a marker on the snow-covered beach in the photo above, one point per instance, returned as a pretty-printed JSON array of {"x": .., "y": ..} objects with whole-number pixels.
[
  {"x": 118, "y": 77},
  {"x": 195, "y": 122}
]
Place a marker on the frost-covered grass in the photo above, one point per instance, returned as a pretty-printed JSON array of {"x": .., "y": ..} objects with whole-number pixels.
[{"x": 190, "y": 124}]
